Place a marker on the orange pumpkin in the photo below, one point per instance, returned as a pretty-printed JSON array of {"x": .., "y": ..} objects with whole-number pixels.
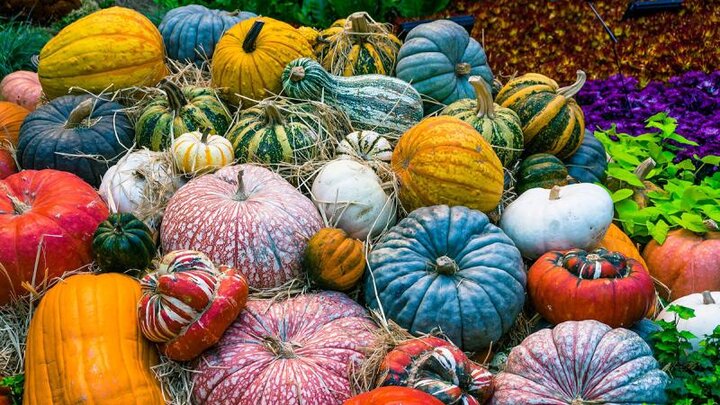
[
  {"x": 616, "y": 240},
  {"x": 11, "y": 117},
  {"x": 393, "y": 396},
  {"x": 443, "y": 160},
  {"x": 334, "y": 260}
]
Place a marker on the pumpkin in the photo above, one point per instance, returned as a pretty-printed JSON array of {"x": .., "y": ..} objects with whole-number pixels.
[
  {"x": 686, "y": 263},
  {"x": 707, "y": 315},
  {"x": 437, "y": 367},
  {"x": 287, "y": 352},
  {"x": 188, "y": 303},
  {"x": 438, "y": 58},
  {"x": 378, "y": 103},
  {"x": 443, "y": 160},
  {"x": 360, "y": 47},
  {"x": 351, "y": 197},
  {"x": 270, "y": 133},
  {"x": 365, "y": 145},
  {"x": 197, "y": 152},
  {"x": 616, "y": 240},
  {"x": 551, "y": 119},
  {"x": 448, "y": 268},
  {"x": 645, "y": 328},
  {"x": 250, "y": 58},
  {"x": 123, "y": 243},
  {"x": 22, "y": 88},
  {"x": 334, "y": 260},
  {"x": 577, "y": 285},
  {"x": 82, "y": 135},
  {"x": 84, "y": 345},
  {"x": 257, "y": 222},
  {"x": 11, "y": 118},
  {"x": 589, "y": 163},
  {"x": 541, "y": 170},
  {"x": 191, "y": 32},
  {"x": 47, "y": 220},
  {"x": 111, "y": 49},
  {"x": 7, "y": 163},
  {"x": 310, "y": 34},
  {"x": 499, "y": 126},
  {"x": 565, "y": 217},
  {"x": 392, "y": 396},
  {"x": 178, "y": 112},
  {"x": 581, "y": 362}
]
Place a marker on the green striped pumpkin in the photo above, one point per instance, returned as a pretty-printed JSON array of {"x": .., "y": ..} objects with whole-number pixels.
[
  {"x": 180, "y": 111},
  {"x": 499, "y": 126},
  {"x": 270, "y": 133},
  {"x": 123, "y": 244},
  {"x": 541, "y": 170},
  {"x": 552, "y": 121}
]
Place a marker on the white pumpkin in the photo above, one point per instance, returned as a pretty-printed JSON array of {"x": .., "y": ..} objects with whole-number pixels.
[
  {"x": 351, "y": 197},
  {"x": 197, "y": 153},
  {"x": 366, "y": 145},
  {"x": 707, "y": 314},
  {"x": 567, "y": 217}
]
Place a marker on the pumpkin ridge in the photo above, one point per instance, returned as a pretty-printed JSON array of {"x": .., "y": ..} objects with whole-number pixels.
[{"x": 95, "y": 72}]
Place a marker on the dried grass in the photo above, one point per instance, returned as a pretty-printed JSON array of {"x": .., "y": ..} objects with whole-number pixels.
[{"x": 175, "y": 380}]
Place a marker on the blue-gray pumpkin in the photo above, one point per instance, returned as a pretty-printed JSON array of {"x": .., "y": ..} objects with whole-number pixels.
[
  {"x": 448, "y": 268},
  {"x": 589, "y": 163},
  {"x": 190, "y": 33},
  {"x": 438, "y": 58},
  {"x": 82, "y": 135}
]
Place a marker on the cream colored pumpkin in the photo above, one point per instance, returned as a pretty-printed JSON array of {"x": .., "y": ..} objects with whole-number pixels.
[
  {"x": 351, "y": 197},
  {"x": 197, "y": 153},
  {"x": 707, "y": 314},
  {"x": 365, "y": 145}
]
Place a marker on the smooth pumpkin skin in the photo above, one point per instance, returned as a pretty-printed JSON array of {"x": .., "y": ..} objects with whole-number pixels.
[
  {"x": 123, "y": 243},
  {"x": 541, "y": 170},
  {"x": 589, "y": 163},
  {"x": 393, "y": 396},
  {"x": 11, "y": 118},
  {"x": 334, "y": 260},
  {"x": 616, "y": 240},
  {"x": 22, "y": 88},
  {"x": 443, "y": 160},
  {"x": 197, "y": 153},
  {"x": 111, "y": 49},
  {"x": 686, "y": 263},
  {"x": 85, "y": 346}
]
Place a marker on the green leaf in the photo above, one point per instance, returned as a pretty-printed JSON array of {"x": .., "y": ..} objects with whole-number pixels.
[
  {"x": 626, "y": 176},
  {"x": 686, "y": 164},
  {"x": 680, "y": 139},
  {"x": 691, "y": 197},
  {"x": 626, "y": 207},
  {"x": 711, "y": 160},
  {"x": 621, "y": 194},
  {"x": 681, "y": 311},
  {"x": 659, "y": 231}
]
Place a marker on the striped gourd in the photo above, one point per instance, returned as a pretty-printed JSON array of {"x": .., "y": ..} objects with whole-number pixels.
[
  {"x": 178, "y": 112},
  {"x": 541, "y": 170},
  {"x": 366, "y": 145},
  {"x": 498, "y": 125},
  {"x": 378, "y": 103},
  {"x": 551, "y": 119},
  {"x": 198, "y": 152},
  {"x": 269, "y": 133}
]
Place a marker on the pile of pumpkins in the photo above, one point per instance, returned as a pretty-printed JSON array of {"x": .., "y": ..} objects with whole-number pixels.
[{"x": 485, "y": 180}]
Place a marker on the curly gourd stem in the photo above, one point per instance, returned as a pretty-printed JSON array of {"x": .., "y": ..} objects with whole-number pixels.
[
  {"x": 279, "y": 348},
  {"x": 445, "y": 265},
  {"x": 176, "y": 99},
  {"x": 359, "y": 25},
  {"x": 79, "y": 113},
  {"x": 240, "y": 194},
  {"x": 644, "y": 168},
  {"x": 297, "y": 73},
  {"x": 707, "y": 298},
  {"x": 555, "y": 193},
  {"x": 463, "y": 69},
  {"x": 252, "y": 35},
  {"x": 485, "y": 104},
  {"x": 573, "y": 89},
  {"x": 18, "y": 206}
]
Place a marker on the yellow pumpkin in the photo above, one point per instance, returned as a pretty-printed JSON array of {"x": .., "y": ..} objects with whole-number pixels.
[
  {"x": 198, "y": 152},
  {"x": 84, "y": 345},
  {"x": 334, "y": 260},
  {"x": 310, "y": 33},
  {"x": 110, "y": 49},
  {"x": 250, "y": 58},
  {"x": 443, "y": 160}
]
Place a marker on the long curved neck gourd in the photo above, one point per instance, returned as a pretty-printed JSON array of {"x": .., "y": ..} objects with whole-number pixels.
[
  {"x": 176, "y": 99},
  {"x": 249, "y": 44},
  {"x": 311, "y": 81},
  {"x": 79, "y": 113},
  {"x": 573, "y": 89},
  {"x": 485, "y": 104}
]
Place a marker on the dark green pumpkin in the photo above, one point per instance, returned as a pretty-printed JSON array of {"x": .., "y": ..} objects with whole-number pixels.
[
  {"x": 589, "y": 163},
  {"x": 123, "y": 244},
  {"x": 541, "y": 170},
  {"x": 180, "y": 111}
]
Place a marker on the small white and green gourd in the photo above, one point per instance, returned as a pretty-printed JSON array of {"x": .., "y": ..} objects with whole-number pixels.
[{"x": 365, "y": 145}]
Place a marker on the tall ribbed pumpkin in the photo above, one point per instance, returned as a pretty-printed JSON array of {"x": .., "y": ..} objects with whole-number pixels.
[
  {"x": 110, "y": 49},
  {"x": 84, "y": 346},
  {"x": 11, "y": 118},
  {"x": 443, "y": 160}
]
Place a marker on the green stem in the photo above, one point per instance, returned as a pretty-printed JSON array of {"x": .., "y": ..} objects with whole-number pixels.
[
  {"x": 175, "y": 97},
  {"x": 485, "y": 104}
]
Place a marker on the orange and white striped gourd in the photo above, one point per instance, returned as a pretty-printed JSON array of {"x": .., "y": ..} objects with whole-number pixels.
[{"x": 197, "y": 152}]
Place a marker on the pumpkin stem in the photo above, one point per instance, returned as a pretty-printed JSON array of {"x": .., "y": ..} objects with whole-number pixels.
[
  {"x": 485, "y": 104},
  {"x": 79, "y": 113},
  {"x": 644, "y": 168},
  {"x": 273, "y": 114},
  {"x": 445, "y": 265},
  {"x": 711, "y": 225},
  {"x": 174, "y": 94},
  {"x": 573, "y": 89},
  {"x": 18, "y": 206},
  {"x": 555, "y": 193},
  {"x": 359, "y": 25},
  {"x": 249, "y": 42},
  {"x": 462, "y": 69},
  {"x": 240, "y": 194},
  {"x": 707, "y": 298},
  {"x": 279, "y": 348},
  {"x": 297, "y": 73},
  {"x": 204, "y": 137}
]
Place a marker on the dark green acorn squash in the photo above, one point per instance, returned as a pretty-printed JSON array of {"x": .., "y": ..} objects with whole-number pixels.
[
  {"x": 448, "y": 268},
  {"x": 122, "y": 244},
  {"x": 589, "y": 163},
  {"x": 180, "y": 111},
  {"x": 541, "y": 170}
]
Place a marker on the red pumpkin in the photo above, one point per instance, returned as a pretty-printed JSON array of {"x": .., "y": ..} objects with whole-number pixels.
[
  {"x": 7, "y": 163},
  {"x": 301, "y": 350},
  {"x": 576, "y": 285},
  {"x": 686, "y": 263},
  {"x": 259, "y": 224},
  {"x": 47, "y": 222},
  {"x": 393, "y": 396},
  {"x": 437, "y": 367},
  {"x": 22, "y": 88}
]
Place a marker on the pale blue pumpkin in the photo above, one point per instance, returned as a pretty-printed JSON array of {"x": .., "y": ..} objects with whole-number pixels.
[
  {"x": 448, "y": 268},
  {"x": 589, "y": 163}
]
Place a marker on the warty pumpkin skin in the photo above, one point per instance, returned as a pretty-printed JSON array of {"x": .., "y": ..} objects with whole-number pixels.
[
  {"x": 84, "y": 346},
  {"x": 11, "y": 118},
  {"x": 333, "y": 260},
  {"x": 22, "y": 88},
  {"x": 393, "y": 396},
  {"x": 111, "y": 49},
  {"x": 49, "y": 212},
  {"x": 443, "y": 160},
  {"x": 249, "y": 59}
]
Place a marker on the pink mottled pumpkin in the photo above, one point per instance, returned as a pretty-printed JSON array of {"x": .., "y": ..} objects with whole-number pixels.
[
  {"x": 22, "y": 88},
  {"x": 259, "y": 225},
  {"x": 301, "y": 350},
  {"x": 580, "y": 363}
]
